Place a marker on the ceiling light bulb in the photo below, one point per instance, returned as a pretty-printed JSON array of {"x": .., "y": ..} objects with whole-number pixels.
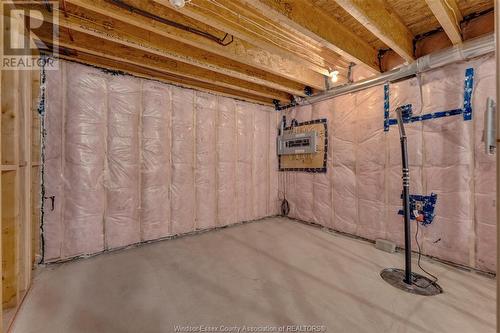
[
  {"x": 334, "y": 76},
  {"x": 178, "y": 3}
]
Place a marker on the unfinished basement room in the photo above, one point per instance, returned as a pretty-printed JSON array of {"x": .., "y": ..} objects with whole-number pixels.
[{"x": 233, "y": 166}]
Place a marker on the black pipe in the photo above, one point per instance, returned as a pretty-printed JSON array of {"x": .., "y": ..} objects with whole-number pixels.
[{"x": 406, "y": 195}]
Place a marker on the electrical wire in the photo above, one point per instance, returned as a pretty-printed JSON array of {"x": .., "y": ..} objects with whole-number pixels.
[
  {"x": 434, "y": 278},
  {"x": 284, "y": 206},
  {"x": 282, "y": 181},
  {"x": 221, "y": 41},
  {"x": 453, "y": 11},
  {"x": 286, "y": 35}
]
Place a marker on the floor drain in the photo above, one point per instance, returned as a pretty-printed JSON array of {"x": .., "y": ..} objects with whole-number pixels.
[{"x": 420, "y": 285}]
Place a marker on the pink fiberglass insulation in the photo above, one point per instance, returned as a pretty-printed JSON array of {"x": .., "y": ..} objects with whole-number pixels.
[
  {"x": 484, "y": 176},
  {"x": 122, "y": 224},
  {"x": 260, "y": 165},
  {"x": 274, "y": 197},
  {"x": 322, "y": 205},
  {"x": 226, "y": 162},
  {"x": 130, "y": 160},
  {"x": 84, "y": 159},
  {"x": 361, "y": 192},
  {"x": 183, "y": 159},
  {"x": 54, "y": 185},
  {"x": 244, "y": 189},
  {"x": 343, "y": 180},
  {"x": 447, "y": 166},
  {"x": 301, "y": 195},
  {"x": 370, "y": 163},
  {"x": 205, "y": 175},
  {"x": 155, "y": 157}
]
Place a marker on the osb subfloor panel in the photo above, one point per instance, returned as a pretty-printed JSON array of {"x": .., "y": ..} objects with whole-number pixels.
[{"x": 273, "y": 272}]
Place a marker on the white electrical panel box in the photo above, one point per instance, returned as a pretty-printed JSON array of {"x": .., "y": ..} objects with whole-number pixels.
[{"x": 297, "y": 143}]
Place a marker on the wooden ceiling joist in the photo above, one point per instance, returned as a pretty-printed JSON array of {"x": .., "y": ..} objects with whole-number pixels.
[
  {"x": 313, "y": 22},
  {"x": 100, "y": 26},
  {"x": 271, "y": 49},
  {"x": 248, "y": 24},
  {"x": 146, "y": 73},
  {"x": 449, "y": 16},
  {"x": 377, "y": 17},
  {"x": 238, "y": 50},
  {"x": 82, "y": 42}
]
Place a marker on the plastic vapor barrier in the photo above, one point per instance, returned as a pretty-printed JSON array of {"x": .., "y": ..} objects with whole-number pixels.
[
  {"x": 155, "y": 156},
  {"x": 361, "y": 192},
  {"x": 122, "y": 168},
  {"x": 129, "y": 160}
]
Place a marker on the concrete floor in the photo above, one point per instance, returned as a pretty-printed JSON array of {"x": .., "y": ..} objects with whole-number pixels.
[{"x": 272, "y": 272}]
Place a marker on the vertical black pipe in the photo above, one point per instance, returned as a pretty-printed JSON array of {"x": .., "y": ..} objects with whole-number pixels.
[{"x": 406, "y": 196}]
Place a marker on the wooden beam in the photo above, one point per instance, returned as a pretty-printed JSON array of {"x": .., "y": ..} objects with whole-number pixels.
[
  {"x": 239, "y": 50},
  {"x": 15, "y": 181},
  {"x": 25, "y": 240},
  {"x": 309, "y": 20},
  {"x": 2, "y": 87},
  {"x": 35, "y": 169},
  {"x": 90, "y": 59},
  {"x": 248, "y": 24},
  {"x": 383, "y": 22},
  {"x": 15, "y": 188},
  {"x": 89, "y": 44},
  {"x": 449, "y": 16},
  {"x": 10, "y": 186},
  {"x": 100, "y": 26}
]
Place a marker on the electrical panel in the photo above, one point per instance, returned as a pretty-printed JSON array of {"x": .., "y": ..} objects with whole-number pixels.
[
  {"x": 302, "y": 147},
  {"x": 297, "y": 143}
]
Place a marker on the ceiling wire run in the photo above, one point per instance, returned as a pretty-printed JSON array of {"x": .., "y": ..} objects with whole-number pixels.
[{"x": 224, "y": 41}]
